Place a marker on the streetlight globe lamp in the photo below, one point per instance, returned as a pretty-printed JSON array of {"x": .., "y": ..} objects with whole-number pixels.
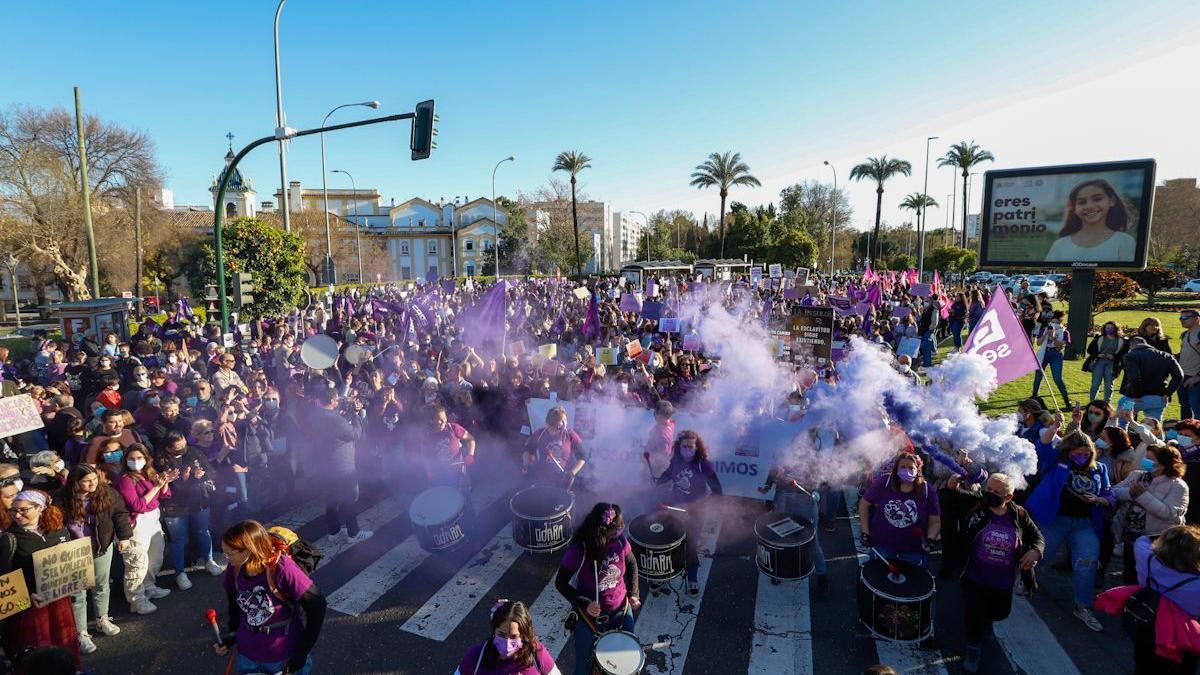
[{"x": 495, "y": 221}]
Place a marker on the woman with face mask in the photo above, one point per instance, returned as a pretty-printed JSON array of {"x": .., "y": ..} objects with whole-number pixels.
[
  {"x": 900, "y": 513},
  {"x": 1105, "y": 353},
  {"x": 37, "y": 525},
  {"x": 605, "y": 592},
  {"x": 1185, "y": 435},
  {"x": 554, "y": 454},
  {"x": 692, "y": 478},
  {"x": 1068, "y": 505},
  {"x": 1052, "y": 339},
  {"x": 185, "y": 513},
  {"x": 998, "y": 539},
  {"x": 94, "y": 510},
  {"x": 141, "y": 486},
  {"x": 1154, "y": 498},
  {"x": 514, "y": 648}
]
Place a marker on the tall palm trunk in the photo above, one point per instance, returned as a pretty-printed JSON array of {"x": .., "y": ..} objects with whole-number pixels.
[
  {"x": 724, "y": 194},
  {"x": 964, "y": 234},
  {"x": 575, "y": 220},
  {"x": 878, "y": 212}
]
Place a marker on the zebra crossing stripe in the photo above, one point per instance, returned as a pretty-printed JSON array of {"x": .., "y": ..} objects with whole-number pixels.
[
  {"x": 357, "y": 595},
  {"x": 438, "y": 617},
  {"x": 783, "y": 641},
  {"x": 301, "y": 515},
  {"x": 549, "y": 611},
  {"x": 672, "y": 618},
  {"x": 1029, "y": 642},
  {"x": 371, "y": 519}
]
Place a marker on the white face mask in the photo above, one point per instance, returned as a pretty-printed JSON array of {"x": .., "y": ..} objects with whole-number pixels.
[
  {"x": 904, "y": 367},
  {"x": 137, "y": 464},
  {"x": 59, "y": 466}
]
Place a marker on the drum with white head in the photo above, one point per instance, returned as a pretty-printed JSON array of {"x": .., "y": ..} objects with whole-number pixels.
[
  {"x": 357, "y": 354},
  {"x": 319, "y": 352},
  {"x": 617, "y": 653}
]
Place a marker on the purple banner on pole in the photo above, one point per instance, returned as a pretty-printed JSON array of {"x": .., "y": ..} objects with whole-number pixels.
[{"x": 1000, "y": 338}]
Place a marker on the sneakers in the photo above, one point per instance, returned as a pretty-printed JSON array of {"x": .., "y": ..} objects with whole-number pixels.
[
  {"x": 214, "y": 568},
  {"x": 970, "y": 662},
  {"x": 182, "y": 581},
  {"x": 86, "y": 646},
  {"x": 156, "y": 592},
  {"x": 362, "y": 536},
  {"x": 107, "y": 627},
  {"x": 1089, "y": 619},
  {"x": 142, "y": 607},
  {"x": 693, "y": 588}
]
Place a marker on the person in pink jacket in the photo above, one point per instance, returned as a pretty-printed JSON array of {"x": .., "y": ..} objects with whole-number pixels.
[{"x": 141, "y": 486}]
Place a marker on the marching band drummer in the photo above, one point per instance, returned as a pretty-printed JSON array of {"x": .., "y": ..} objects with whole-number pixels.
[
  {"x": 793, "y": 500},
  {"x": 692, "y": 477},
  {"x": 448, "y": 450},
  {"x": 554, "y": 454},
  {"x": 906, "y": 514},
  {"x": 605, "y": 593},
  {"x": 514, "y": 648}
]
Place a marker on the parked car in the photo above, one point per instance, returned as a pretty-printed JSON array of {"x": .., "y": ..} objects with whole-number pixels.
[
  {"x": 980, "y": 277},
  {"x": 1192, "y": 286},
  {"x": 1044, "y": 285}
]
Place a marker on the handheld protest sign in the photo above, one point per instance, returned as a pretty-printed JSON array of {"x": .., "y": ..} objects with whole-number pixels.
[
  {"x": 14, "y": 594},
  {"x": 65, "y": 569},
  {"x": 18, "y": 414},
  {"x": 319, "y": 352}
]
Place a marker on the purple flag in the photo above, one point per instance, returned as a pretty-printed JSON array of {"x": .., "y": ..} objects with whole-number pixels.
[
  {"x": 486, "y": 318},
  {"x": 591, "y": 320},
  {"x": 999, "y": 338},
  {"x": 875, "y": 295}
]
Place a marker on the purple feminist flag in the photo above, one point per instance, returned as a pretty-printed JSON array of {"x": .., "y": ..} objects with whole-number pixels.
[
  {"x": 485, "y": 320},
  {"x": 875, "y": 295},
  {"x": 999, "y": 338},
  {"x": 591, "y": 320}
]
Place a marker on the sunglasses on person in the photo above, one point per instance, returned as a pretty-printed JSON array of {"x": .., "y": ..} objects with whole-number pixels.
[{"x": 22, "y": 511}]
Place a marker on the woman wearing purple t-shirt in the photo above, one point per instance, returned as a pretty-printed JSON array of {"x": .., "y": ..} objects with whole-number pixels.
[
  {"x": 900, "y": 512},
  {"x": 268, "y": 593},
  {"x": 692, "y": 478},
  {"x": 554, "y": 454},
  {"x": 605, "y": 593},
  {"x": 514, "y": 648}
]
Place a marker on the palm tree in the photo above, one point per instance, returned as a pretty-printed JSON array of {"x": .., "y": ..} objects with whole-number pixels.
[
  {"x": 919, "y": 202},
  {"x": 573, "y": 161},
  {"x": 879, "y": 169},
  {"x": 723, "y": 170},
  {"x": 965, "y": 155}
]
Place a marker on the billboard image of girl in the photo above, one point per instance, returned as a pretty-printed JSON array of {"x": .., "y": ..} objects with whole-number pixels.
[{"x": 1094, "y": 229}]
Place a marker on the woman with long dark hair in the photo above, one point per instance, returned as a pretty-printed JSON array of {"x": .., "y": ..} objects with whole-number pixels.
[
  {"x": 514, "y": 648},
  {"x": 1094, "y": 226},
  {"x": 94, "y": 510},
  {"x": 692, "y": 478},
  {"x": 141, "y": 486},
  {"x": 900, "y": 512},
  {"x": 606, "y": 579}
]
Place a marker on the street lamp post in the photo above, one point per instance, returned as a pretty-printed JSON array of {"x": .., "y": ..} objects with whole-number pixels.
[
  {"x": 970, "y": 185},
  {"x": 357, "y": 226},
  {"x": 11, "y": 263},
  {"x": 832, "y": 218},
  {"x": 923, "y": 215},
  {"x": 495, "y": 221},
  {"x": 646, "y": 229},
  {"x": 279, "y": 124},
  {"x": 330, "y": 273}
]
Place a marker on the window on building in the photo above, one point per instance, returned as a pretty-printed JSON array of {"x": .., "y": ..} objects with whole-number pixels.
[
  {"x": 432, "y": 247},
  {"x": 468, "y": 245},
  {"x": 487, "y": 244},
  {"x": 404, "y": 249},
  {"x": 405, "y": 272},
  {"x": 230, "y": 210},
  {"x": 433, "y": 270},
  {"x": 470, "y": 269}
]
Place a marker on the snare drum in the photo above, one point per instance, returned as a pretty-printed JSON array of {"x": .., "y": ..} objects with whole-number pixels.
[
  {"x": 617, "y": 653},
  {"x": 541, "y": 518},
  {"x": 785, "y": 546},
  {"x": 896, "y": 606},
  {"x": 437, "y": 518},
  {"x": 657, "y": 540}
]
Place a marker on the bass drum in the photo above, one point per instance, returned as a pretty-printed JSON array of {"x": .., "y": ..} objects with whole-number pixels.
[
  {"x": 895, "y": 600},
  {"x": 437, "y": 518},
  {"x": 617, "y": 653},
  {"x": 657, "y": 540},
  {"x": 542, "y": 519},
  {"x": 785, "y": 546}
]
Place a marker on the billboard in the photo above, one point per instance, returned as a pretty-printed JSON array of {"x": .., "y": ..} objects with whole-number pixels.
[{"x": 1082, "y": 215}]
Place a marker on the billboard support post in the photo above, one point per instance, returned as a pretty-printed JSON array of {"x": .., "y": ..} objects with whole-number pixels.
[{"x": 1079, "y": 313}]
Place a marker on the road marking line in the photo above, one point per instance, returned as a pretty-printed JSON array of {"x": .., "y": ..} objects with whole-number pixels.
[
  {"x": 1029, "y": 642},
  {"x": 301, "y": 515},
  {"x": 438, "y": 617},
  {"x": 358, "y": 594},
  {"x": 373, "y": 518},
  {"x": 783, "y": 642},
  {"x": 548, "y": 612}
]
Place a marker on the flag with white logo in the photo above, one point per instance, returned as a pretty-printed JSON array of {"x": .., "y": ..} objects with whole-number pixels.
[{"x": 999, "y": 338}]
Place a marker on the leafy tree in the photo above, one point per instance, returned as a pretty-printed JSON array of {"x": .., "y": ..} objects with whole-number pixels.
[
  {"x": 1155, "y": 278},
  {"x": 793, "y": 247},
  {"x": 952, "y": 259},
  {"x": 274, "y": 257},
  {"x": 965, "y": 155},
  {"x": 919, "y": 203},
  {"x": 879, "y": 169},
  {"x": 514, "y": 241},
  {"x": 723, "y": 170},
  {"x": 901, "y": 261},
  {"x": 811, "y": 205},
  {"x": 1109, "y": 288},
  {"x": 573, "y": 161},
  {"x": 553, "y": 250}
]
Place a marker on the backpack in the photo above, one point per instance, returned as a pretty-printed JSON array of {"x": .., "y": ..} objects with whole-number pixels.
[
  {"x": 1141, "y": 609},
  {"x": 301, "y": 551}
]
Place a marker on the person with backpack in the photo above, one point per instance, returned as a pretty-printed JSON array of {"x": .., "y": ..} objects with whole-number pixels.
[
  {"x": 1155, "y": 498},
  {"x": 275, "y": 609},
  {"x": 514, "y": 648},
  {"x": 997, "y": 538}
]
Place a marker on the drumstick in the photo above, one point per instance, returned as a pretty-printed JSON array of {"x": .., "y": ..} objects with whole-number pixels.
[
  {"x": 891, "y": 567},
  {"x": 672, "y": 508}
]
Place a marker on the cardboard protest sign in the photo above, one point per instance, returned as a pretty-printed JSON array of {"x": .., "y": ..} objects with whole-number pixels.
[
  {"x": 517, "y": 348},
  {"x": 668, "y": 325},
  {"x": 756, "y": 275},
  {"x": 791, "y": 294},
  {"x": 630, "y": 302},
  {"x": 651, "y": 288},
  {"x": 632, "y": 349},
  {"x": 227, "y": 340},
  {"x": 802, "y": 276},
  {"x": 613, "y": 293},
  {"x": 909, "y": 346},
  {"x": 14, "y": 594},
  {"x": 775, "y": 270},
  {"x": 920, "y": 290},
  {"x": 18, "y": 414},
  {"x": 901, "y": 312},
  {"x": 63, "y": 570},
  {"x": 548, "y": 351},
  {"x": 691, "y": 342},
  {"x": 607, "y": 356},
  {"x": 582, "y": 293},
  {"x": 812, "y": 334},
  {"x": 651, "y": 310}
]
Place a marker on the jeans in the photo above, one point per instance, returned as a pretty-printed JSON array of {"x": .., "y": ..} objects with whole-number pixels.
[
  {"x": 341, "y": 504},
  {"x": 585, "y": 639},
  {"x": 956, "y": 327},
  {"x": 1085, "y": 550},
  {"x": 1150, "y": 406},
  {"x": 1189, "y": 401},
  {"x": 100, "y": 593},
  {"x": 831, "y": 502},
  {"x": 246, "y": 667},
  {"x": 927, "y": 349},
  {"x": 1102, "y": 371},
  {"x": 1054, "y": 361},
  {"x": 180, "y": 528}
]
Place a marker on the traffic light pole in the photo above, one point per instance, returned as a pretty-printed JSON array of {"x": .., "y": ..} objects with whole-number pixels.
[{"x": 219, "y": 206}]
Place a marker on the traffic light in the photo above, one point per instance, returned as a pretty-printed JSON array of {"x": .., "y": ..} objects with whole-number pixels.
[
  {"x": 424, "y": 128},
  {"x": 243, "y": 286}
]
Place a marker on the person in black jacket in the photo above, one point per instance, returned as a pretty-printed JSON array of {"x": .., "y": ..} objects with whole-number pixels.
[
  {"x": 185, "y": 513},
  {"x": 997, "y": 538},
  {"x": 1105, "y": 354},
  {"x": 93, "y": 509},
  {"x": 169, "y": 419},
  {"x": 1151, "y": 377},
  {"x": 333, "y": 433},
  {"x": 927, "y": 327}
]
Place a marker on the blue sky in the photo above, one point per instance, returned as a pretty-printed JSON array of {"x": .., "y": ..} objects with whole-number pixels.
[{"x": 647, "y": 89}]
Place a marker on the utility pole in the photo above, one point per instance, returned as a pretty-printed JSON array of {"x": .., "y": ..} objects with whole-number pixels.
[
  {"x": 280, "y": 123},
  {"x": 94, "y": 274},
  {"x": 137, "y": 230}
]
